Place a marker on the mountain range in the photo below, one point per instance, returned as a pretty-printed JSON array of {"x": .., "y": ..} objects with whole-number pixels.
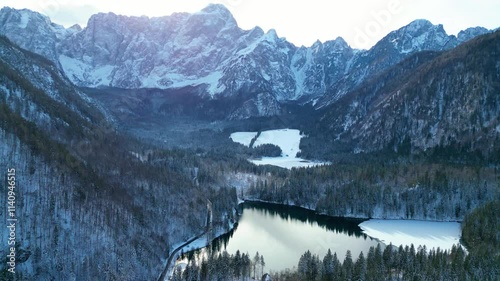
[{"x": 207, "y": 50}]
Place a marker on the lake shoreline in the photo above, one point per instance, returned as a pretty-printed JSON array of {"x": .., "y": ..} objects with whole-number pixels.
[
  {"x": 363, "y": 218},
  {"x": 302, "y": 208},
  {"x": 318, "y": 233},
  {"x": 308, "y": 214}
]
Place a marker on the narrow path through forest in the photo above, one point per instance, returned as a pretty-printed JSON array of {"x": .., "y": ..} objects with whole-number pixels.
[{"x": 173, "y": 255}]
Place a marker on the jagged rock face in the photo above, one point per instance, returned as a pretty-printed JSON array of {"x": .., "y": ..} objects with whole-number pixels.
[
  {"x": 208, "y": 49},
  {"x": 319, "y": 67},
  {"x": 33, "y": 31},
  {"x": 419, "y": 35},
  {"x": 132, "y": 52},
  {"x": 262, "y": 105}
]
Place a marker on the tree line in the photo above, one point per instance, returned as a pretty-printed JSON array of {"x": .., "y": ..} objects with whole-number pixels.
[
  {"x": 221, "y": 266},
  {"x": 410, "y": 190}
]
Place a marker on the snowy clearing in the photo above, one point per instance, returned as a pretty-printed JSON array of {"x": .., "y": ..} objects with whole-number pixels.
[
  {"x": 406, "y": 232},
  {"x": 287, "y": 162},
  {"x": 243, "y": 137},
  {"x": 287, "y": 139}
]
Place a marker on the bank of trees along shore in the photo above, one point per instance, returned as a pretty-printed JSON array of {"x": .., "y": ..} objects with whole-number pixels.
[
  {"x": 381, "y": 263},
  {"x": 222, "y": 266},
  {"x": 384, "y": 190}
]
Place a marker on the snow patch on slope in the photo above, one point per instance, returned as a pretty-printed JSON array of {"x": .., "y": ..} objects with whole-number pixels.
[
  {"x": 25, "y": 18},
  {"x": 78, "y": 71},
  {"x": 211, "y": 80},
  {"x": 73, "y": 68}
]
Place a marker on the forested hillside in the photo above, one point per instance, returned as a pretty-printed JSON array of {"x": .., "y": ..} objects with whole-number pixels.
[
  {"x": 92, "y": 204},
  {"x": 444, "y": 102},
  {"x": 381, "y": 189}
]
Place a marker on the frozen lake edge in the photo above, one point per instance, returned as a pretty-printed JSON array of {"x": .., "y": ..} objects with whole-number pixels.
[{"x": 432, "y": 234}]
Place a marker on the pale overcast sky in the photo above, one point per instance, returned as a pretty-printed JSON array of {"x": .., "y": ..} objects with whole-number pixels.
[{"x": 360, "y": 22}]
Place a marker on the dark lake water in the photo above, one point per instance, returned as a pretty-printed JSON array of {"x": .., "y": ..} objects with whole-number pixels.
[{"x": 282, "y": 234}]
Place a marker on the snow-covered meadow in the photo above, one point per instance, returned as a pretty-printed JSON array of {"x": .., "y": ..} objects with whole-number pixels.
[
  {"x": 245, "y": 138},
  {"x": 432, "y": 234},
  {"x": 287, "y": 139}
]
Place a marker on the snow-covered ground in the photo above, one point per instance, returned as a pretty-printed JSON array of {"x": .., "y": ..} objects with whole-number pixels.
[
  {"x": 287, "y": 139},
  {"x": 406, "y": 232},
  {"x": 286, "y": 162},
  {"x": 243, "y": 137}
]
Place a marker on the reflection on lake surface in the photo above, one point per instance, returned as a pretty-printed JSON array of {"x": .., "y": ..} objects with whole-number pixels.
[{"x": 282, "y": 234}]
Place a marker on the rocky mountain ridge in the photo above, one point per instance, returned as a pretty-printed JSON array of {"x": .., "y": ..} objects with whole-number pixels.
[
  {"x": 209, "y": 51},
  {"x": 445, "y": 100}
]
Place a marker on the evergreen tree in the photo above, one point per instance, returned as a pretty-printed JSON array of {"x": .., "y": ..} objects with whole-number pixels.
[
  {"x": 263, "y": 264},
  {"x": 256, "y": 262},
  {"x": 304, "y": 263},
  {"x": 315, "y": 267},
  {"x": 191, "y": 272},
  {"x": 388, "y": 258},
  {"x": 371, "y": 265},
  {"x": 328, "y": 267},
  {"x": 359, "y": 272},
  {"x": 347, "y": 266},
  {"x": 204, "y": 270},
  {"x": 177, "y": 276},
  {"x": 337, "y": 268},
  {"x": 379, "y": 261},
  {"x": 237, "y": 265},
  {"x": 245, "y": 265},
  {"x": 225, "y": 265}
]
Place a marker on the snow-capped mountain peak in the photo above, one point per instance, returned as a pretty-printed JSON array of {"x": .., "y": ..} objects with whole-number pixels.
[
  {"x": 419, "y": 35},
  {"x": 417, "y": 25},
  {"x": 32, "y": 31},
  {"x": 271, "y": 35},
  {"x": 219, "y": 11},
  {"x": 339, "y": 44},
  {"x": 208, "y": 50}
]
